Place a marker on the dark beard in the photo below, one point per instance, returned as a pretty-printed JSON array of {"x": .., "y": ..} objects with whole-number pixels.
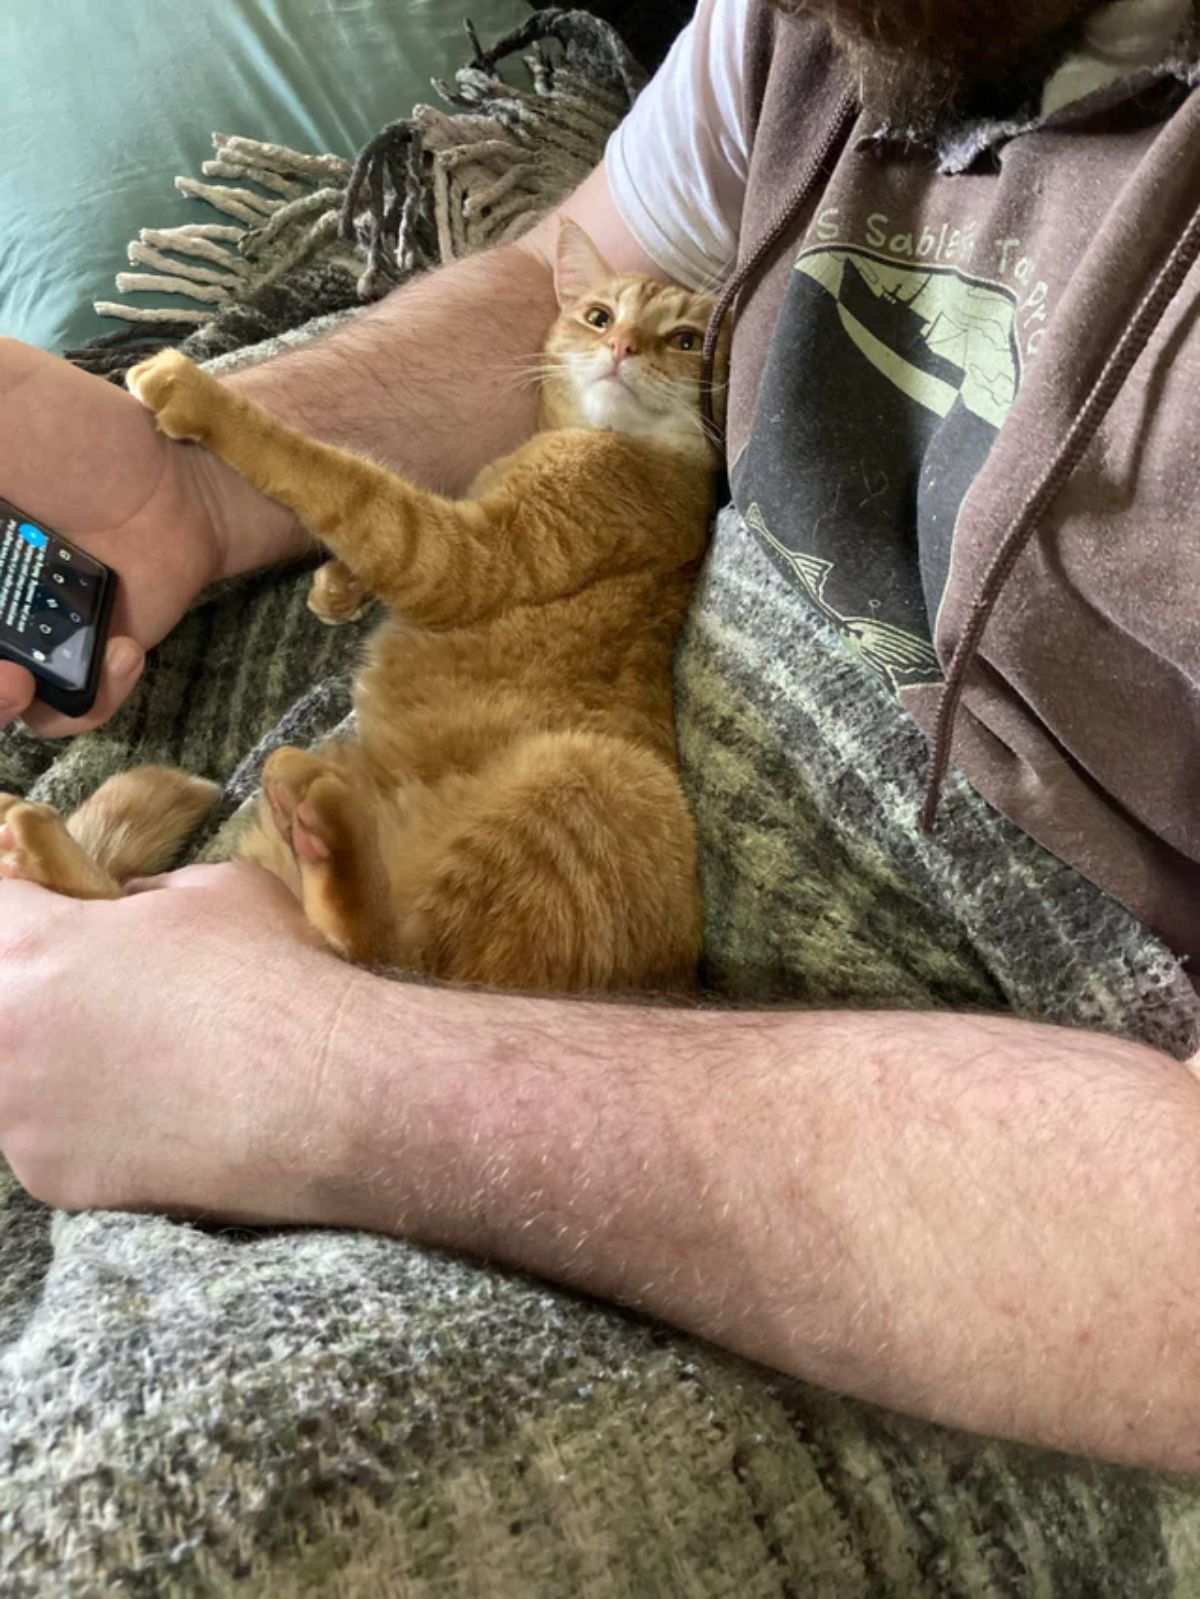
[{"x": 917, "y": 62}]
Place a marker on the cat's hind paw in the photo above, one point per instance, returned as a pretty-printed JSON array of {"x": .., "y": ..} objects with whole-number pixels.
[
  {"x": 306, "y": 796},
  {"x": 320, "y": 819},
  {"x": 337, "y": 595},
  {"x": 29, "y": 839},
  {"x": 178, "y": 392}
]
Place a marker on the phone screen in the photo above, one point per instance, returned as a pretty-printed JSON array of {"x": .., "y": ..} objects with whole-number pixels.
[{"x": 53, "y": 604}]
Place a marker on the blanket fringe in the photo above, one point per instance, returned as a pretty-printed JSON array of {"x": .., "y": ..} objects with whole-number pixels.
[{"x": 309, "y": 233}]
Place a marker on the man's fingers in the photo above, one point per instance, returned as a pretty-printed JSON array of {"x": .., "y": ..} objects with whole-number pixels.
[
  {"x": 22, "y": 906},
  {"x": 219, "y": 875},
  {"x": 16, "y": 691},
  {"x": 241, "y": 887},
  {"x": 207, "y": 876},
  {"x": 124, "y": 661}
]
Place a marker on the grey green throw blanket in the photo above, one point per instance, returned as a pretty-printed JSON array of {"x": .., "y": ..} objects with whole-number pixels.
[{"x": 189, "y": 1411}]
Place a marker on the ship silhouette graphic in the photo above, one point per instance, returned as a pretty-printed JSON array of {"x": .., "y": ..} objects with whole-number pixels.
[{"x": 893, "y": 320}]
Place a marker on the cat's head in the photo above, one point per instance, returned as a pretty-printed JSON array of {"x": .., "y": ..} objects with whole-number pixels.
[{"x": 624, "y": 354}]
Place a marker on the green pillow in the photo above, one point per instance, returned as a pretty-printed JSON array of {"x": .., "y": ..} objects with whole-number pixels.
[{"x": 104, "y": 102}]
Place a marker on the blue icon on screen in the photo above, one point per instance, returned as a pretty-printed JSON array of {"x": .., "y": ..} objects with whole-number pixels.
[{"x": 33, "y": 535}]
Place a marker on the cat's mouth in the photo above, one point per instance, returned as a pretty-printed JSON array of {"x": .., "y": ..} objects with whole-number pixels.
[
  {"x": 618, "y": 379},
  {"x": 617, "y": 397}
]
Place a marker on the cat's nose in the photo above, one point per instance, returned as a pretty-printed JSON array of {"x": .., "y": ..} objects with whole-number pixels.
[{"x": 621, "y": 345}]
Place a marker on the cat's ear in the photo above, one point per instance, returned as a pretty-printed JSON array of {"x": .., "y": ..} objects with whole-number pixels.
[{"x": 579, "y": 268}]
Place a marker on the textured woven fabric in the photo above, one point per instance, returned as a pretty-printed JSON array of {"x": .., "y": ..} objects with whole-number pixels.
[
  {"x": 807, "y": 781},
  {"x": 330, "y": 1414},
  {"x": 188, "y": 1411}
]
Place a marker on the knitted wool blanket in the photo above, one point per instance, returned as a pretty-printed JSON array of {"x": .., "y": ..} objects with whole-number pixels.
[{"x": 197, "y": 1411}]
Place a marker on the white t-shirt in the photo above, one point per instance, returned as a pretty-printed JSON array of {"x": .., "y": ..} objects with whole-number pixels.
[{"x": 677, "y": 165}]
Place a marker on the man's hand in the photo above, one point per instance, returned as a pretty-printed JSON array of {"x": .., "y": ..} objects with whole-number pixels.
[
  {"x": 86, "y": 459},
  {"x": 154, "y": 1051}
]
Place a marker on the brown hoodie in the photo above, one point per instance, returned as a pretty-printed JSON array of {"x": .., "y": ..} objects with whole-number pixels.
[{"x": 965, "y": 398}]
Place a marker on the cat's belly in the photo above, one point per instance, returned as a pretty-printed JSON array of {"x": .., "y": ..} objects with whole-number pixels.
[{"x": 434, "y": 704}]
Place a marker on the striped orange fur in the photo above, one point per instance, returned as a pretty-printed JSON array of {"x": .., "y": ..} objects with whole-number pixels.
[{"x": 509, "y": 811}]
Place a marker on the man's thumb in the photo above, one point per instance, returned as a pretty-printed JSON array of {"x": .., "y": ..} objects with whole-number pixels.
[{"x": 124, "y": 662}]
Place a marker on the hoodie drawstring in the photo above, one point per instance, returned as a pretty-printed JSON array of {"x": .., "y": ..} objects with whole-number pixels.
[
  {"x": 818, "y": 167},
  {"x": 1075, "y": 441}
]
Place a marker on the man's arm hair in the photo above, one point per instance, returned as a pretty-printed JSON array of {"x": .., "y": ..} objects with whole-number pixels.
[{"x": 974, "y": 1219}]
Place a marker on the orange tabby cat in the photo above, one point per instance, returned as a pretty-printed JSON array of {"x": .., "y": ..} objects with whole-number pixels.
[{"x": 509, "y": 809}]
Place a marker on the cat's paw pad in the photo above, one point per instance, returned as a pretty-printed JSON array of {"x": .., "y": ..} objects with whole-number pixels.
[
  {"x": 313, "y": 836},
  {"x": 281, "y": 803},
  {"x": 178, "y": 393},
  {"x": 337, "y": 596},
  {"x": 27, "y": 836},
  {"x": 305, "y": 794}
]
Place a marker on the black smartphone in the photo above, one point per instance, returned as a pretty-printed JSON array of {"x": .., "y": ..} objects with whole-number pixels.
[{"x": 55, "y": 606}]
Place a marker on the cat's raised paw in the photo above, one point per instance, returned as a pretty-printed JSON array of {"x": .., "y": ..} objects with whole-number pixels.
[{"x": 178, "y": 392}]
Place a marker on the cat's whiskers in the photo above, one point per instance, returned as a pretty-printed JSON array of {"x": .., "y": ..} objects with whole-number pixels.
[
  {"x": 679, "y": 394},
  {"x": 536, "y": 368}
]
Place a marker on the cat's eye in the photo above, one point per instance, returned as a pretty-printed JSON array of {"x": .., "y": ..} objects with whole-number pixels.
[
  {"x": 597, "y": 317},
  {"x": 687, "y": 339}
]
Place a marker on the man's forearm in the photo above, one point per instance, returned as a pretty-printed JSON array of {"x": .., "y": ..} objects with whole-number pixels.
[
  {"x": 977, "y": 1220},
  {"x": 434, "y": 382}
]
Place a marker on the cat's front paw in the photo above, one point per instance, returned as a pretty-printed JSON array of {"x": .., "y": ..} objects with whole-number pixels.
[{"x": 178, "y": 392}]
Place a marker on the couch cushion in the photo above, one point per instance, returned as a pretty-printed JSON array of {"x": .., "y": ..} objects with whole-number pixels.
[{"x": 102, "y": 104}]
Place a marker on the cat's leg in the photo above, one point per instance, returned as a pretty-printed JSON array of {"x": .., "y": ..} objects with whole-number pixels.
[
  {"x": 568, "y": 864},
  {"x": 330, "y": 835},
  {"x": 402, "y": 544},
  {"x": 35, "y": 847},
  {"x": 132, "y": 826},
  {"x": 440, "y": 562},
  {"x": 337, "y": 595},
  {"x": 136, "y": 822}
]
